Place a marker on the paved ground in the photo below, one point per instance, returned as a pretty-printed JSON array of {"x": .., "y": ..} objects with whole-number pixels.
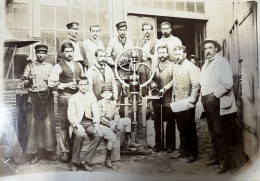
[{"x": 147, "y": 167}]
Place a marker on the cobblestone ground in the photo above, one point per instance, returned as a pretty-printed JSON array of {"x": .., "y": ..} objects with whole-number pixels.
[{"x": 153, "y": 164}]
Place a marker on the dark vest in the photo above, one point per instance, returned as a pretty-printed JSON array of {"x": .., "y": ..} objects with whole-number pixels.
[{"x": 67, "y": 75}]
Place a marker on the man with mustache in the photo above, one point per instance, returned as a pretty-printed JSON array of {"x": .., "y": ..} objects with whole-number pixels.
[
  {"x": 100, "y": 74},
  {"x": 41, "y": 127},
  {"x": 63, "y": 79},
  {"x": 168, "y": 39},
  {"x": 162, "y": 76},
  {"x": 216, "y": 81},
  {"x": 92, "y": 44},
  {"x": 115, "y": 47},
  {"x": 148, "y": 43},
  {"x": 185, "y": 85},
  {"x": 79, "y": 50}
]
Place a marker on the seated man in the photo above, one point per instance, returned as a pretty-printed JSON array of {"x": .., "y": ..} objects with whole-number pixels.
[
  {"x": 84, "y": 117},
  {"x": 110, "y": 117}
]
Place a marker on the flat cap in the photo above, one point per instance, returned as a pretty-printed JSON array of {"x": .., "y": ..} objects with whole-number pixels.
[
  {"x": 106, "y": 88},
  {"x": 41, "y": 47},
  {"x": 121, "y": 24},
  {"x": 210, "y": 40},
  {"x": 72, "y": 25}
]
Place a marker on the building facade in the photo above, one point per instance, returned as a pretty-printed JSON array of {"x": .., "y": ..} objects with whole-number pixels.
[{"x": 232, "y": 24}]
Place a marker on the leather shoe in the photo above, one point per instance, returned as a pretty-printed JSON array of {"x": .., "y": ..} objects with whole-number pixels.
[
  {"x": 222, "y": 170},
  {"x": 212, "y": 162},
  {"x": 73, "y": 166},
  {"x": 155, "y": 149},
  {"x": 109, "y": 164},
  {"x": 169, "y": 150},
  {"x": 52, "y": 157},
  {"x": 34, "y": 160},
  {"x": 64, "y": 157},
  {"x": 191, "y": 159},
  {"x": 178, "y": 156},
  {"x": 87, "y": 167}
]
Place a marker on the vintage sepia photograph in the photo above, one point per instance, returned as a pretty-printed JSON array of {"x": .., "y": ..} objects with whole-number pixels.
[{"x": 129, "y": 90}]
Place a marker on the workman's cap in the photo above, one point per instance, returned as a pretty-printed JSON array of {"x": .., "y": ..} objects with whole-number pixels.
[
  {"x": 41, "y": 47},
  {"x": 72, "y": 25},
  {"x": 121, "y": 24}
]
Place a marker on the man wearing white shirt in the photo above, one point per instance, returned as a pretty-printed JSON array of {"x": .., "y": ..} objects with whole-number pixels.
[
  {"x": 169, "y": 40},
  {"x": 79, "y": 51},
  {"x": 218, "y": 101},
  {"x": 63, "y": 78},
  {"x": 92, "y": 44}
]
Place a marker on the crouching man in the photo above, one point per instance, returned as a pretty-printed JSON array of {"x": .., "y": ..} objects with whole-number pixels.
[
  {"x": 84, "y": 117},
  {"x": 110, "y": 117}
]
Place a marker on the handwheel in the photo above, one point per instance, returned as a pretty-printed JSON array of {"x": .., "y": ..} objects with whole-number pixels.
[{"x": 130, "y": 65}]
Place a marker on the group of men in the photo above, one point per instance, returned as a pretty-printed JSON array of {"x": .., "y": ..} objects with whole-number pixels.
[{"x": 88, "y": 93}]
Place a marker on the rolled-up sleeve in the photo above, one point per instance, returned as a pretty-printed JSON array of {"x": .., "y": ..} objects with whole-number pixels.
[{"x": 53, "y": 80}]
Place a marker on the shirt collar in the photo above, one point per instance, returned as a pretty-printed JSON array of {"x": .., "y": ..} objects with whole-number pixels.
[
  {"x": 38, "y": 63},
  {"x": 73, "y": 39}
]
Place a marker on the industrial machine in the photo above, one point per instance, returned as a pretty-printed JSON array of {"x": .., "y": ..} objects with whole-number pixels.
[{"x": 130, "y": 67}]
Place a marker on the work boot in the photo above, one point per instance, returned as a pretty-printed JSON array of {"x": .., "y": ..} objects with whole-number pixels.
[
  {"x": 34, "y": 160},
  {"x": 129, "y": 142},
  {"x": 109, "y": 164},
  {"x": 86, "y": 166},
  {"x": 64, "y": 157}
]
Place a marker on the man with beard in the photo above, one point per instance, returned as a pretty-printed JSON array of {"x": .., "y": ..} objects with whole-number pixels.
[
  {"x": 79, "y": 50},
  {"x": 92, "y": 44},
  {"x": 162, "y": 110},
  {"x": 100, "y": 74},
  {"x": 148, "y": 43},
  {"x": 185, "y": 85},
  {"x": 116, "y": 46},
  {"x": 218, "y": 101},
  {"x": 63, "y": 78},
  {"x": 168, "y": 39},
  {"x": 41, "y": 127}
]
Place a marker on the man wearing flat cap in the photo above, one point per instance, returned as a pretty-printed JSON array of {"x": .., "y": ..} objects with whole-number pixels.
[
  {"x": 218, "y": 101},
  {"x": 116, "y": 46},
  {"x": 79, "y": 50},
  {"x": 41, "y": 127}
]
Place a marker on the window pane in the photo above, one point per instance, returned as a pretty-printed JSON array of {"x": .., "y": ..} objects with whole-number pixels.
[
  {"x": 47, "y": 18},
  {"x": 56, "y": 3},
  {"x": 134, "y": 27},
  {"x": 169, "y": 5},
  {"x": 62, "y": 18},
  {"x": 179, "y": 6},
  {"x": 90, "y": 18},
  {"x": 21, "y": 15},
  {"x": 190, "y": 6},
  {"x": 77, "y": 16},
  {"x": 158, "y": 4},
  {"x": 61, "y": 36},
  {"x": 103, "y": 20},
  {"x": 103, "y": 4},
  {"x": 200, "y": 7},
  {"x": 9, "y": 16},
  {"x": 105, "y": 37},
  {"x": 20, "y": 61},
  {"x": 135, "y": 3},
  {"x": 22, "y": 34},
  {"x": 146, "y": 3},
  {"x": 21, "y": 1},
  {"x": 48, "y": 38},
  {"x": 89, "y": 4}
]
